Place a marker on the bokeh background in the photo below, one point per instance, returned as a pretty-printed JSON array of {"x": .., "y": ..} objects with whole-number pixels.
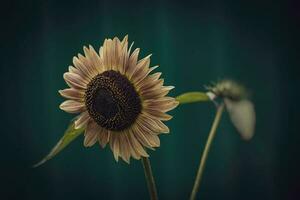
[{"x": 194, "y": 42}]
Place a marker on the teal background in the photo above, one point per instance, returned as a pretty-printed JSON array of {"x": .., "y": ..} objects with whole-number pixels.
[{"x": 194, "y": 42}]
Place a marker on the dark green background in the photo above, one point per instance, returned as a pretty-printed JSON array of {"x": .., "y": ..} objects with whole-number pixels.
[{"x": 196, "y": 42}]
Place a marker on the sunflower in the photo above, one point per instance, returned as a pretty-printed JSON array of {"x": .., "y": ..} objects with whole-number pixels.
[
  {"x": 117, "y": 98},
  {"x": 239, "y": 106}
]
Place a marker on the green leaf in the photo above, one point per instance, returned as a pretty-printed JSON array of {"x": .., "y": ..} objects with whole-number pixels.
[
  {"x": 70, "y": 134},
  {"x": 192, "y": 97}
]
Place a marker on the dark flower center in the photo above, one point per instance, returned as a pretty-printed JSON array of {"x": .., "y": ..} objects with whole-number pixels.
[{"x": 112, "y": 101}]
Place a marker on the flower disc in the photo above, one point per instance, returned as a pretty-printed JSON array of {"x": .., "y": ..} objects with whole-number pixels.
[{"x": 112, "y": 101}]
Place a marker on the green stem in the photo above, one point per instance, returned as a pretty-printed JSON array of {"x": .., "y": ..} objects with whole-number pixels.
[
  {"x": 149, "y": 178},
  {"x": 211, "y": 136}
]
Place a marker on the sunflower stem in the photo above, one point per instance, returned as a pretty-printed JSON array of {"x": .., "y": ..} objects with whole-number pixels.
[
  {"x": 210, "y": 138},
  {"x": 149, "y": 178}
]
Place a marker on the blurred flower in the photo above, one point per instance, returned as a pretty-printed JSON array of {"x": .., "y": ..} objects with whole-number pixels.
[
  {"x": 119, "y": 102},
  {"x": 240, "y": 108}
]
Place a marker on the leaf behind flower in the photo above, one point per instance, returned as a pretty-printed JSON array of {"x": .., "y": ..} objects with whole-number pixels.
[
  {"x": 192, "y": 97},
  {"x": 70, "y": 134}
]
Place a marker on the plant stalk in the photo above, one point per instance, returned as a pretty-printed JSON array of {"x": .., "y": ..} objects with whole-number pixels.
[
  {"x": 149, "y": 178},
  {"x": 210, "y": 138}
]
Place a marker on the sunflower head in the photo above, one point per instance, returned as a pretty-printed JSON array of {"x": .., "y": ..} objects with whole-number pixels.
[
  {"x": 240, "y": 108},
  {"x": 117, "y": 98},
  {"x": 227, "y": 89}
]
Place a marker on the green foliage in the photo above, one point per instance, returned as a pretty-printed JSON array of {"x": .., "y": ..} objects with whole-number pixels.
[
  {"x": 192, "y": 97},
  {"x": 70, "y": 134}
]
